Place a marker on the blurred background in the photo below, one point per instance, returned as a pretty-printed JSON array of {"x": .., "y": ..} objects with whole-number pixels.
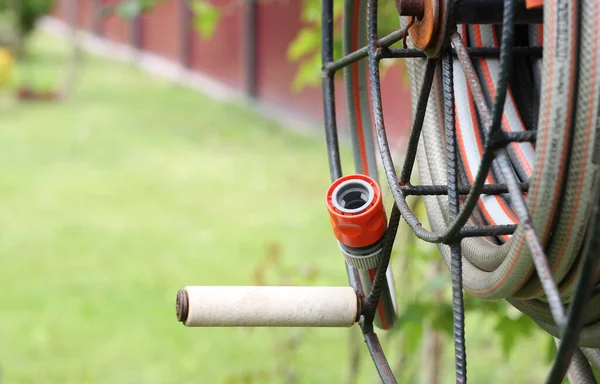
[{"x": 146, "y": 145}]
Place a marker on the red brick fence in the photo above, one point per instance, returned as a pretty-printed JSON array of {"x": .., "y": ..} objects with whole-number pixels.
[{"x": 247, "y": 52}]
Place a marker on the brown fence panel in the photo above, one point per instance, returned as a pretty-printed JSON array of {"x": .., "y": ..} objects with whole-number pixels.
[
  {"x": 85, "y": 17},
  {"x": 58, "y": 10},
  {"x": 397, "y": 107},
  {"x": 85, "y": 12},
  {"x": 277, "y": 25},
  {"x": 221, "y": 56},
  {"x": 116, "y": 28},
  {"x": 160, "y": 30}
]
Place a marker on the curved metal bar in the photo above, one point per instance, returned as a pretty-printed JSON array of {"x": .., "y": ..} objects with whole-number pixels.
[
  {"x": 384, "y": 149},
  {"x": 413, "y": 141},
  {"x": 506, "y": 44},
  {"x": 335, "y": 167},
  {"x": 438, "y": 190},
  {"x": 363, "y": 52},
  {"x": 331, "y": 135},
  {"x": 489, "y": 152},
  {"x": 378, "y": 49},
  {"x": 472, "y": 78},
  {"x": 388, "y": 244},
  {"x": 371, "y": 301},
  {"x": 585, "y": 284},
  {"x": 383, "y": 368},
  {"x": 487, "y": 230},
  {"x": 537, "y": 251},
  {"x": 458, "y": 305}
]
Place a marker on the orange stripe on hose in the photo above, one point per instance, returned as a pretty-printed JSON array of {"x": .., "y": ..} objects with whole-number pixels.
[
  {"x": 566, "y": 139},
  {"x": 498, "y": 199},
  {"x": 384, "y": 322},
  {"x": 550, "y": 58},
  {"x": 531, "y": 4},
  {"x": 543, "y": 144},
  {"x": 505, "y": 122},
  {"x": 462, "y": 148},
  {"x": 588, "y": 132},
  {"x": 356, "y": 96},
  {"x": 489, "y": 179},
  {"x": 359, "y": 128}
]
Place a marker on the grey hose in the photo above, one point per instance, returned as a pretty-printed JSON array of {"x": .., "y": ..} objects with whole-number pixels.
[
  {"x": 580, "y": 371},
  {"x": 560, "y": 187},
  {"x": 593, "y": 355}
]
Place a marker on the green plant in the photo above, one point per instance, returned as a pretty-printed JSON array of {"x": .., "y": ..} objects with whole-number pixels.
[
  {"x": 131, "y": 8},
  {"x": 305, "y": 49},
  {"x": 207, "y": 15},
  {"x": 18, "y": 19},
  {"x": 28, "y": 11}
]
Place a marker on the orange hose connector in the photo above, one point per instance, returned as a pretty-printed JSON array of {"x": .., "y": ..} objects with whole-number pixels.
[
  {"x": 530, "y": 4},
  {"x": 356, "y": 211}
]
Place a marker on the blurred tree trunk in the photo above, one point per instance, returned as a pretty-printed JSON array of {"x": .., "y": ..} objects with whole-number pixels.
[
  {"x": 72, "y": 67},
  {"x": 354, "y": 346},
  {"x": 15, "y": 7},
  {"x": 433, "y": 341}
]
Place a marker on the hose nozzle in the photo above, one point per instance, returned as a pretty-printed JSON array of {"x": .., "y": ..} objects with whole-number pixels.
[
  {"x": 358, "y": 219},
  {"x": 359, "y": 223}
]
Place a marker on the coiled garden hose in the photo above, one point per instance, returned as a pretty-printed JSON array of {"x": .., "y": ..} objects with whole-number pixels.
[{"x": 561, "y": 167}]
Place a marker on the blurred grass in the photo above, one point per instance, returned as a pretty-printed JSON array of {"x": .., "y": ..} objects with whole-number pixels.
[
  {"x": 128, "y": 192},
  {"x": 136, "y": 188}
]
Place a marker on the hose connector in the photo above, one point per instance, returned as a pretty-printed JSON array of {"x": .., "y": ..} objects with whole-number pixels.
[
  {"x": 359, "y": 223},
  {"x": 358, "y": 219}
]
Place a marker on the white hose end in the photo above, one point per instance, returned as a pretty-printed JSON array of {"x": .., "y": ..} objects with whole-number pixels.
[{"x": 263, "y": 306}]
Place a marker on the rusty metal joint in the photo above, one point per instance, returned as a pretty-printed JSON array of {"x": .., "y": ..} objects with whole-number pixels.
[
  {"x": 365, "y": 323},
  {"x": 380, "y": 53},
  {"x": 402, "y": 184},
  {"x": 327, "y": 72},
  {"x": 367, "y": 310},
  {"x": 414, "y": 8}
]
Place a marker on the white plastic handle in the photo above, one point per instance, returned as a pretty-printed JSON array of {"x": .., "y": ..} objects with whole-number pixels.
[{"x": 210, "y": 306}]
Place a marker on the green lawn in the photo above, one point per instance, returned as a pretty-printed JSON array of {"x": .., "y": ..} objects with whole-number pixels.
[{"x": 132, "y": 190}]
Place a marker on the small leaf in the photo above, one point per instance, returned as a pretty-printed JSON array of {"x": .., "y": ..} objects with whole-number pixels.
[
  {"x": 550, "y": 350},
  {"x": 415, "y": 312},
  {"x": 206, "y": 18},
  {"x": 442, "y": 318},
  {"x": 307, "y": 41},
  {"x": 438, "y": 283},
  {"x": 509, "y": 330},
  {"x": 128, "y": 9},
  {"x": 307, "y": 73},
  {"x": 413, "y": 334},
  {"x": 311, "y": 12},
  {"x": 258, "y": 276}
]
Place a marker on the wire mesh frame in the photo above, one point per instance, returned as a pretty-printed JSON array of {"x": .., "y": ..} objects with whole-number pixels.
[{"x": 495, "y": 142}]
